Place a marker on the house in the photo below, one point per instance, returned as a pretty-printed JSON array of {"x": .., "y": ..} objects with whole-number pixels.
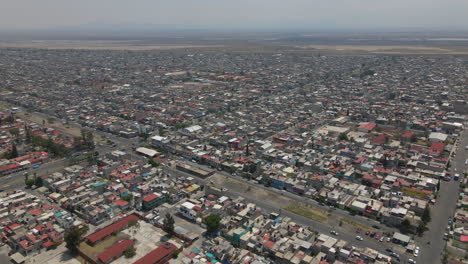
[{"x": 367, "y": 127}]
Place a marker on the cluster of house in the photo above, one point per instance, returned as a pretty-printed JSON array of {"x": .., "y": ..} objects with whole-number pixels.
[
  {"x": 375, "y": 169},
  {"x": 457, "y": 228},
  {"x": 29, "y": 225},
  {"x": 250, "y": 235},
  {"x": 97, "y": 194},
  {"x": 24, "y": 162},
  {"x": 22, "y": 135}
]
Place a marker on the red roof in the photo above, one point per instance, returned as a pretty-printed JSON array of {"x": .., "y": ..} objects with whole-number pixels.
[
  {"x": 368, "y": 126},
  {"x": 9, "y": 167},
  {"x": 115, "y": 251},
  {"x": 160, "y": 253},
  {"x": 437, "y": 147},
  {"x": 463, "y": 238},
  {"x": 108, "y": 230},
  {"x": 48, "y": 244},
  {"x": 150, "y": 197},
  {"x": 121, "y": 202},
  {"x": 380, "y": 139},
  {"x": 408, "y": 134}
]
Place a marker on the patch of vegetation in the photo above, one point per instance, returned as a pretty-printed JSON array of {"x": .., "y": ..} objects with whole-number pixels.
[
  {"x": 130, "y": 252},
  {"x": 414, "y": 193},
  {"x": 313, "y": 214}
]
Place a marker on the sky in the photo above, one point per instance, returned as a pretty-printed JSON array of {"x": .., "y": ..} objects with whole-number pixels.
[{"x": 236, "y": 14}]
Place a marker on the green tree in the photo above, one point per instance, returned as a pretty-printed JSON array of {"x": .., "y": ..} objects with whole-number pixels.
[
  {"x": 14, "y": 152},
  {"x": 29, "y": 182},
  {"x": 38, "y": 182},
  {"x": 213, "y": 223},
  {"x": 127, "y": 198},
  {"x": 445, "y": 257},
  {"x": 421, "y": 228},
  {"x": 73, "y": 237},
  {"x": 405, "y": 226},
  {"x": 343, "y": 136},
  {"x": 130, "y": 252},
  {"x": 426, "y": 216},
  {"x": 14, "y": 132},
  {"x": 168, "y": 224},
  {"x": 153, "y": 163}
]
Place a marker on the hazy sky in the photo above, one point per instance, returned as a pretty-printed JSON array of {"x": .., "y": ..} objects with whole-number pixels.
[{"x": 315, "y": 14}]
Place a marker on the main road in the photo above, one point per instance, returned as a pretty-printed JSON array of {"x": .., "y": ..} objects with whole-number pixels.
[
  {"x": 269, "y": 207},
  {"x": 444, "y": 207}
]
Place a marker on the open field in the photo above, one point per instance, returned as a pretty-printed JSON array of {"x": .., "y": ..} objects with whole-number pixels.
[
  {"x": 387, "y": 49},
  {"x": 101, "y": 45},
  {"x": 309, "y": 212}
]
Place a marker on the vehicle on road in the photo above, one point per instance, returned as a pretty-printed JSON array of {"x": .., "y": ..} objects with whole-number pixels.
[
  {"x": 389, "y": 250},
  {"x": 333, "y": 232},
  {"x": 36, "y": 166},
  {"x": 456, "y": 177},
  {"x": 359, "y": 238},
  {"x": 411, "y": 261},
  {"x": 376, "y": 226}
]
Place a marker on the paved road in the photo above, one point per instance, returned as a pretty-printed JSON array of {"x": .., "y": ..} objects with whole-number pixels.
[
  {"x": 444, "y": 208},
  {"x": 16, "y": 180},
  {"x": 338, "y": 213},
  {"x": 270, "y": 206}
]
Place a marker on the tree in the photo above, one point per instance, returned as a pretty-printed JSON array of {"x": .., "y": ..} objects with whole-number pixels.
[
  {"x": 14, "y": 152},
  {"x": 130, "y": 252},
  {"x": 405, "y": 226},
  {"x": 445, "y": 257},
  {"x": 14, "y": 132},
  {"x": 127, "y": 198},
  {"x": 29, "y": 182},
  {"x": 168, "y": 224},
  {"x": 38, "y": 182},
  {"x": 213, "y": 223},
  {"x": 421, "y": 228},
  {"x": 426, "y": 216},
  {"x": 343, "y": 136},
  {"x": 153, "y": 163},
  {"x": 73, "y": 237}
]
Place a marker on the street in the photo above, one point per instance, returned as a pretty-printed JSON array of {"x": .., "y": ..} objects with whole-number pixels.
[{"x": 443, "y": 209}]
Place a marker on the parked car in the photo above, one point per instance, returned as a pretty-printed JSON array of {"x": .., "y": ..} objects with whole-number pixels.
[
  {"x": 367, "y": 232},
  {"x": 416, "y": 252},
  {"x": 358, "y": 230}
]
